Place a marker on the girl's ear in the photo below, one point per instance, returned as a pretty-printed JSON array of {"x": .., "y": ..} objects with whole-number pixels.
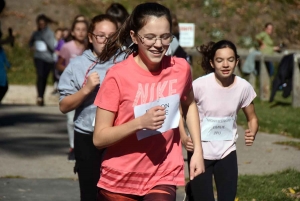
[
  {"x": 237, "y": 62},
  {"x": 211, "y": 64},
  {"x": 90, "y": 36},
  {"x": 133, "y": 37}
]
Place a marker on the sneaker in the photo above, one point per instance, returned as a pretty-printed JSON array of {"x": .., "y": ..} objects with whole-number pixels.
[
  {"x": 40, "y": 101},
  {"x": 54, "y": 92},
  {"x": 71, "y": 155}
]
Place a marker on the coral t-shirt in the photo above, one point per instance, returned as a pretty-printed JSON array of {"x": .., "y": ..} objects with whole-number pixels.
[
  {"x": 70, "y": 50},
  {"x": 134, "y": 166},
  {"x": 218, "y": 107}
]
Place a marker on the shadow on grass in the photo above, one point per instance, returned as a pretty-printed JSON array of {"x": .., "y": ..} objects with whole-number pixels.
[{"x": 280, "y": 103}]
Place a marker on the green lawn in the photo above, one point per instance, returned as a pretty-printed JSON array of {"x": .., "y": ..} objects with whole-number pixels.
[
  {"x": 290, "y": 143},
  {"x": 277, "y": 117},
  {"x": 281, "y": 186},
  {"x": 22, "y": 69}
]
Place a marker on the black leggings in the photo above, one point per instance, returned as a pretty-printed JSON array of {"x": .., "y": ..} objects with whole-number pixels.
[
  {"x": 43, "y": 69},
  {"x": 225, "y": 172},
  {"x": 87, "y": 166},
  {"x": 3, "y": 90}
]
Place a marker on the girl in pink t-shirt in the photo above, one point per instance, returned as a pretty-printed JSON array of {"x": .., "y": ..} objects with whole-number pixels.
[
  {"x": 139, "y": 112},
  {"x": 219, "y": 96}
]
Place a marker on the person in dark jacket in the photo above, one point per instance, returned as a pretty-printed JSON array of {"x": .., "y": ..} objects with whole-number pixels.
[{"x": 284, "y": 77}]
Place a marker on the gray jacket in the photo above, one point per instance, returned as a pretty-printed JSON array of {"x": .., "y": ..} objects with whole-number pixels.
[
  {"x": 71, "y": 82},
  {"x": 47, "y": 37}
]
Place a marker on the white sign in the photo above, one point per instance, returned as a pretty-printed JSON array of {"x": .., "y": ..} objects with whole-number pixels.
[
  {"x": 217, "y": 129},
  {"x": 187, "y": 34},
  {"x": 171, "y": 105}
]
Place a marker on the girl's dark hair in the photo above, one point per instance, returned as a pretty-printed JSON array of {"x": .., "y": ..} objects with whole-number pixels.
[
  {"x": 79, "y": 21},
  {"x": 208, "y": 52},
  {"x": 46, "y": 19},
  {"x": 58, "y": 29},
  {"x": 78, "y": 16},
  {"x": 118, "y": 11},
  {"x": 267, "y": 24},
  {"x": 97, "y": 19},
  {"x": 134, "y": 22}
]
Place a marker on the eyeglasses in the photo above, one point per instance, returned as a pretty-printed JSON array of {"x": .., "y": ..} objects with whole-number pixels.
[
  {"x": 165, "y": 39},
  {"x": 100, "y": 38}
]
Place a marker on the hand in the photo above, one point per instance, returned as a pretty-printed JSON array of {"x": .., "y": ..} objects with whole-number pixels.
[
  {"x": 196, "y": 165},
  {"x": 276, "y": 48},
  {"x": 188, "y": 143},
  {"x": 154, "y": 118},
  {"x": 249, "y": 137},
  {"x": 93, "y": 80}
]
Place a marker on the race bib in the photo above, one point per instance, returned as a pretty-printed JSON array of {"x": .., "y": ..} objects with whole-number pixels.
[
  {"x": 171, "y": 105},
  {"x": 40, "y": 46},
  {"x": 217, "y": 128}
]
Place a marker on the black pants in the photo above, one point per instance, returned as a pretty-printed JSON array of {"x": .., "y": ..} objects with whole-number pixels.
[
  {"x": 3, "y": 90},
  {"x": 87, "y": 166},
  {"x": 42, "y": 71},
  {"x": 225, "y": 172}
]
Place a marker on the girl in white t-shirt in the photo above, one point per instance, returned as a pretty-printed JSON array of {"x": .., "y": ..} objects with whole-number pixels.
[{"x": 219, "y": 96}]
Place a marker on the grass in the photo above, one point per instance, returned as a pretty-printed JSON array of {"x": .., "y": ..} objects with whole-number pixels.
[
  {"x": 22, "y": 69},
  {"x": 289, "y": 143},
  {"x": 278, "y": 117},
  {"x": 280, "y": 186}
]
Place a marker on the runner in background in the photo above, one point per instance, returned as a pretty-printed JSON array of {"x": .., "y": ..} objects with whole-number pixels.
[
  {"x": 219, "y": 96},
  {"x": 42, "y": 42},
  {"x": 119, "y": 12},
  {"x": 70, "y": 50},
  {"x": 58, "y": 45},
  {"x": 139, "y": 111},
  {"x": 78, "y": 87}
]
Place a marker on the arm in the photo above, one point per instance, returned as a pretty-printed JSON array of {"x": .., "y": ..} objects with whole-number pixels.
[
  {"x": 185, "y": 139},
  {"x": 259, "y": 39},
  {"x": 60, "y": 65},
  {"x": 190, "y": 112},
  {"x": 49, "y": 39},
  {"x": 106, "y": 134},
  {"x": 73, "y": 101},
  {"x": 252, "y": 120}
]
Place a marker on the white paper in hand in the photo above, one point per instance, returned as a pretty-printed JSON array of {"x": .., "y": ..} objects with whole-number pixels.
[{"x": 171, "y": 105}]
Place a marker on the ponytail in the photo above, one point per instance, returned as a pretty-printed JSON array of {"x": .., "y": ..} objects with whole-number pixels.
[{"x": 205, "y": 50}]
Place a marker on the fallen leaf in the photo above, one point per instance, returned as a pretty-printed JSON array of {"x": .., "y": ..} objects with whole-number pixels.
[{"x": 292, "y": 191}]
